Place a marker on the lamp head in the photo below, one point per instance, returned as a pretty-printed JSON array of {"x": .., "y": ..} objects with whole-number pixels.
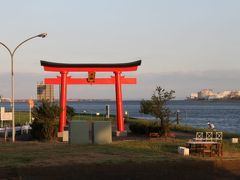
[{"x": 42, "y": 35}]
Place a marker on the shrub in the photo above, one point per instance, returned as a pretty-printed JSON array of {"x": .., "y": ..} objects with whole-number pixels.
[
  {"x": 145, "y": 127},
  {"x": 44, "y": 126},
  {"x": 70, "y": 112},
  {"x": 45, "y": 130},
  {"x": 154, "y": 127},
  {"x": 137, "y": 128},
  {"x": 157, "y": 107}
]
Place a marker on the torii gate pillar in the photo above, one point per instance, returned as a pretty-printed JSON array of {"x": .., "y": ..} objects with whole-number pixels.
[
  {"x": 119, "y": 104},
  {"x": 63, "y": 102}
]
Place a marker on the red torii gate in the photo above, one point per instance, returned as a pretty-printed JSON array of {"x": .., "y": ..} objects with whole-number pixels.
[{"x": 64, "y": 80}]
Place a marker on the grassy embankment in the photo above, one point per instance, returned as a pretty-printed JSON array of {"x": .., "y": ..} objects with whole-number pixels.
[
  {"x": 139, "y": 149},
  {"x": 23, "y": 117},
  {"x": 184, "y": 128}
]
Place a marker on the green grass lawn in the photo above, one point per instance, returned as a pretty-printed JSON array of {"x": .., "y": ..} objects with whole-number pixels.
[
  {"x": 24, "y": 153},
  {"x": 29, "y": 153},
  {"x": 92, "y": 117},
  {"x": 139, "y": 150},
  {"x": 23, "y": 118},
  {"x": 20, "y": 118}
]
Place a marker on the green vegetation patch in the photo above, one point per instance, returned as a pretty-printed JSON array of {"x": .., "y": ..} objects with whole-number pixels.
[
  {"x": 93, "y": 117},
  {"x": 44, "y": 153}
]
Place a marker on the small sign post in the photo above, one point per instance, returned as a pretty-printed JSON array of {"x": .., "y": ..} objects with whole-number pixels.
[{"x": 31, "y": 105}]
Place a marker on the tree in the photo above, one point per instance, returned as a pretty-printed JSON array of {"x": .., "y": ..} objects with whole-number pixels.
[
  {"x": 70, "y": 112},
  {"x": 156, "y": 106},
  {"x": 44, "y": 126}
]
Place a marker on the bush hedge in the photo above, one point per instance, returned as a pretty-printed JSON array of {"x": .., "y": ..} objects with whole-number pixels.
[
  {"x": 138, "y": 126},
  {"x": 44, "y": 126},
  {"x": 145, "y": 127},
  {"x": 45, "y": 130}
]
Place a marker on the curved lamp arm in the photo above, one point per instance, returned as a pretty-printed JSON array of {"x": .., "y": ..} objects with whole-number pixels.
[
  {"x": 6, "y": 48},
  {"x": 42, "y": 35}
]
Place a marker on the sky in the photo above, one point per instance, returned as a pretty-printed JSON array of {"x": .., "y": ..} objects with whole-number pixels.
[{"x": 185, "y": 45}]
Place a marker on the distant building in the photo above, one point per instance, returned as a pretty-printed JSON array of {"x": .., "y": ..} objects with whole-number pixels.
[
  {"x": 206, "y": 94},
  {"x": 223, "y": 94},
  {"x": 45, "y": 91},
  {"x": 194, "y": 96},
  {"x": 234, "y": 94}
]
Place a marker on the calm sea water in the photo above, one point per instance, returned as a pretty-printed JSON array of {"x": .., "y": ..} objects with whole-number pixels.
[{"x": 224, "y": 115}]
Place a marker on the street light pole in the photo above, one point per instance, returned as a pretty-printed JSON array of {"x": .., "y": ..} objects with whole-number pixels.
[{"x": 42, "y": 35}]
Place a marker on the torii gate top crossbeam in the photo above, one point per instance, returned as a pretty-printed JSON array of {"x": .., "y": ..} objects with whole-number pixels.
[{"x": 63, "y": 67}]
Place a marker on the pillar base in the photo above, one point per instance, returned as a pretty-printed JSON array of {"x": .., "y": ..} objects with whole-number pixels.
[
  {"x": 120, "y": 133},
  {"x": 63, "y": 136}
]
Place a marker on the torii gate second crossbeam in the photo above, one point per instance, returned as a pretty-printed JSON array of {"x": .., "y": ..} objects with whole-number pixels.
[{"x": 91, "y": 69}]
